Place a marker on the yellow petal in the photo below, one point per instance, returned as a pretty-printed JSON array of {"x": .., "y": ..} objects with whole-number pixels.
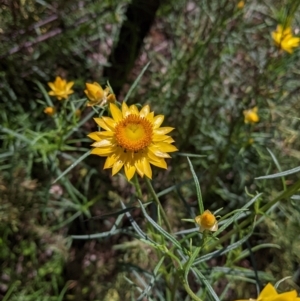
[
  {"x": 133, "y": 110},
  {"x": 103, "y": 152},
  {"x": 267, "y": 292},
  {"x": 158, "y": 152},
  {"x": 94, "y": 136},
  {"x": 161, "y": 163},
  {"x": 145, "y": 111},
  {"x": 125, "y": 109},
  {"x": 109, "y": 122},
  {"x": 166, "y": 147},
  {"x": 139, "y": 167},
  {"x": 156, "y": 137},
  {"x": 102, "y": 124},
  {"x": 115, "y": 112},
  {"x": 169, "y": 140},
  {"x": 69, "y": 85},
  {"x": 157, "y": 121},
  {"x": 147, "y": 168},
  {"x": 110, "y": 161},
  {"x": 150, "y": 117},
  {"x": 288, "y": 296},
  {"x": 102, "y": 143},
  {"x": 117, "y": 166},
  {"x": 129, "y": 171},
  {"x": 51, "y": 85},
  {"x": 163, "y": 131},
  {"x": 105, "y": 134}
]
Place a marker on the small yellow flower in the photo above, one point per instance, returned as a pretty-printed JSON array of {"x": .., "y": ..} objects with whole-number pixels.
[
  {"x": 241, "y": 4},
  {"x": 284, "y": 39},
  {"x": 207, "y": 221},
  {"x": 132, "y": 139},
  {"x": 50, "y": 111},
  {"x": 97, "y": 95},
  {"x": 251, "y": 116},
  {"x": 60, "y": 88},
  {"x": 269, "y": 293}
]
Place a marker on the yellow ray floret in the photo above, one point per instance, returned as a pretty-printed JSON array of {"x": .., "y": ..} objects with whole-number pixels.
[
  {"x": 284, "y": 39},
  {"x": 60, "y": 88},
  {"x": 251, "y": 116},
  {"x": 98, "y": 96},
  {"x": 207, "y": 221},
  {"x": 132, "y": 139},
  {"x": 269, "y": 293}
]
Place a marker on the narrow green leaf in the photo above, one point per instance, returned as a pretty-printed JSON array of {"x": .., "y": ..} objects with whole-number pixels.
[
  {"x": 135, "y": 83},
  {"x": 198, "y": 189},
  {"x": 236, "y": 215},
  {"x": 280, "y": 174},
  {"x": 278, "y": 167},
  {"x": 159, "y": 228},
  {"x": 72, "y": 166}
]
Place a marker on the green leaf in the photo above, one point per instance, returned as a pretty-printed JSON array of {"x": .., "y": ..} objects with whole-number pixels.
[
  {"x": 135, "y": 83},
  {"x": 159, "y": 228},
  {"x": 280, "y": 174},
  {"x": 198, "y": 189}
]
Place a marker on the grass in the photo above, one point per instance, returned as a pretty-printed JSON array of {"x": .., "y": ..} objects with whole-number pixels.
[{"x": 71, "y": 231}]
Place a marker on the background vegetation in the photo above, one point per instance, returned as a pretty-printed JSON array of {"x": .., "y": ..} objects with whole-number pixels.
[{"x": 209, "y": 61}]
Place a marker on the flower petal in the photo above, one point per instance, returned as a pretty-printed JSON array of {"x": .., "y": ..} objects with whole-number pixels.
[
  {"x": 157, "y": 121},
  {"x": 161, "y": 163},
  {"x": 125, "y": 109},
  {"x": 110, "y": 161},
  {"x": 163, "y": 131},
  {"x": 129, "y": 171},
  {"x": 145, "y": 111},
  {"x": 166, "y": 147},
  {"x": 115, "y": 112},
  {"x": 103, "y": 152},
  {"x": 268, "y": 291},
  {"x": 134, "y": 110},
  {"x": 117, "y": 166},
  {"x": 102, "y": 143},
  {"x": 103, "y": 124},
  {"x": 94, "y": 136},
  {"x": 146, "y": 167}
]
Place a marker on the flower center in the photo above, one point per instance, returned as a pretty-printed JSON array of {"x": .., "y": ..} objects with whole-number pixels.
[{"x": 134, "y": 133}]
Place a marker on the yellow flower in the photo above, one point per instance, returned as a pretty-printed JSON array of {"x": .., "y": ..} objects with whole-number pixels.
[
  {"x": 284, "y": 39},
  {"x": 50, "y": 111},
  {"x": 207, "y": 221},
  {"x": 97, "y": 95},
  {"x": 133, "y": 139},
  {"x": 251, "y": 116},
  {"x": 241, "y": 4},
  {"x": 60, "y": 88},
  {"x": 269, "y": 294}
]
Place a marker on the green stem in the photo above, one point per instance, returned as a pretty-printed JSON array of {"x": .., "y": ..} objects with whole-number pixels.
[
  {"x": 157, "y": 202},
  {"x": 190, "y": 292},
  {"x": 137, "y": 187}
]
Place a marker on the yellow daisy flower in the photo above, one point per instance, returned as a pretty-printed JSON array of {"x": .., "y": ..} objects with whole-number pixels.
[
  {"x": 269, "y": 293},
  {"x": 240, "y": 4},
  {"x": 50, "y": 111},
  {"x": 97, "y": 95},
  {"x": 284, "y": 39},
  {"x": 133, "y": 139},
  {"x": 251, "y": 116},
  {"x": 60, "y": 88},
  {"x": 207, "y": 221}
]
